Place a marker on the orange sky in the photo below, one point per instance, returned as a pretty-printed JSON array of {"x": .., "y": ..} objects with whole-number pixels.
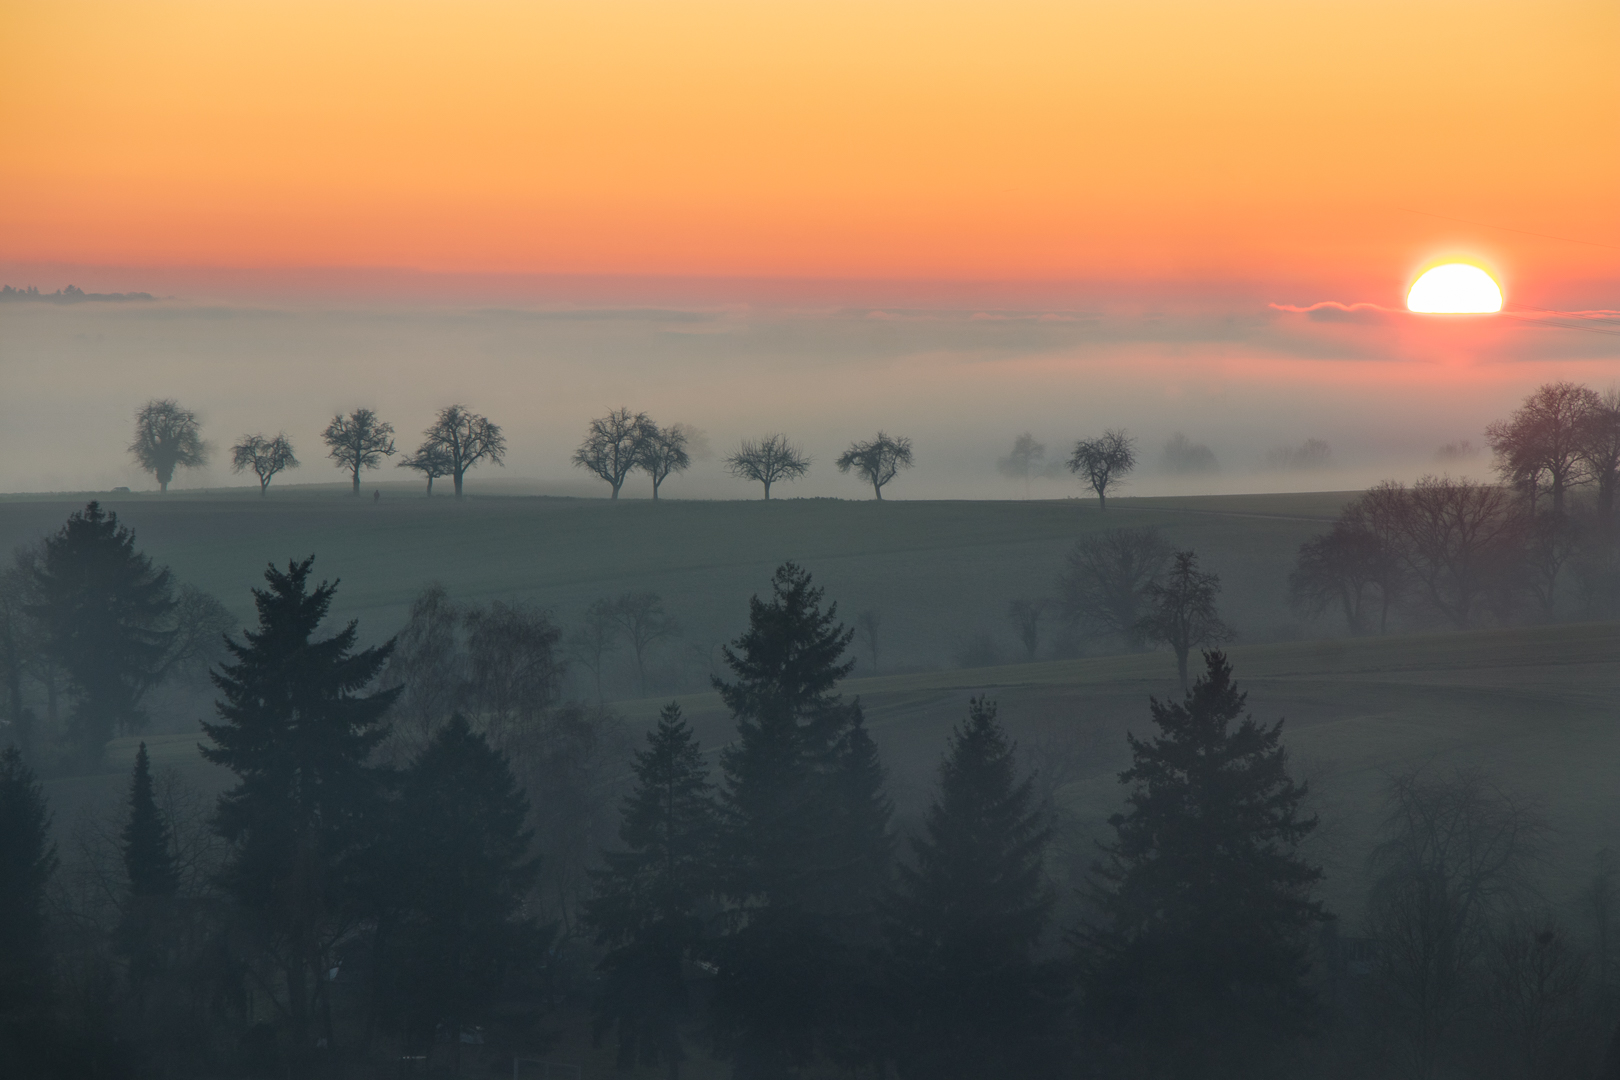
[{"x": 1150, "y": 139}]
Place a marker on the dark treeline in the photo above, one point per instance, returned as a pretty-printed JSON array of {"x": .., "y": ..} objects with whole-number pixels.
[{"x": 426, "y": 863}]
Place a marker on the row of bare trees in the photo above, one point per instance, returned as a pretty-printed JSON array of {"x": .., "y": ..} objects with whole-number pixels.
[
  {"x": 1102, "y": 462},
  {"x": 169, "y": 437},
  {"x": 1463, "y": 551},
  {"x": 621, "y": 442}
]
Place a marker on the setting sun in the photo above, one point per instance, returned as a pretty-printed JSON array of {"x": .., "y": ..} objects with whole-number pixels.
[{"x": 1455, "y": 289}]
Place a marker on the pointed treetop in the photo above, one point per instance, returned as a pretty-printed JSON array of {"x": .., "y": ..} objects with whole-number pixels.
[
  {"x": 148, "y": 860},
  {"x": 790, "y": 657}
]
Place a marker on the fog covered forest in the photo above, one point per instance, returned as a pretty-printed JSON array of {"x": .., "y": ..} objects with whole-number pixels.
[{"x": 431, "y": 848}]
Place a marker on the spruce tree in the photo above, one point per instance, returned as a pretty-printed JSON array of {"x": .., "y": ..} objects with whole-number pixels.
[
  {"x": 27, "y": 860},
  {"x": 105, "y": 611},
  {"x": 296, "y": 729},
  {"x": 799, "y": 868},
  {"x": 148, "y": 859},
  {"x": 468, "y": 869},
  {"x": 972, "y": 998},
  {"x": 648, "y": 907},
  {"x": 152, "y": 881},
  {"x": 1200, "y": 958}
]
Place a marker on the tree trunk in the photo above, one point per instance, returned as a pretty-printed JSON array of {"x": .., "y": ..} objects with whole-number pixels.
[
  {"x": 1102, "y": 506},
  {"x": 767, "y": 484},
  {"x": 616, "y": 485},
  {"x": 656, "y": 482},
  {"x": 877, "y": 489},
  {"x": 457, "y": 475},
  {"x": 357, "y": 481},
  {"x": 1181, "y": 666}
]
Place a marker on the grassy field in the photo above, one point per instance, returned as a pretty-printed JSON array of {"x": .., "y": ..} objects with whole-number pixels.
[
  {"x": 1539, "y": 707},
  {"x": 940, "y": 573}
]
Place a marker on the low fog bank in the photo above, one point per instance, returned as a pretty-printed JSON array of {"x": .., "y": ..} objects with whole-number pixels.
[{"x": 1261, "y": 399}]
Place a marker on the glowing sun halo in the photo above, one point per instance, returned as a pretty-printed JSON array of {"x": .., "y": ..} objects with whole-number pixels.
[{"x": 1454, "y": 289}]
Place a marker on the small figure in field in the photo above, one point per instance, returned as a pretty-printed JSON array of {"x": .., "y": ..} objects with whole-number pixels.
[{"x": 376, "y": 494}]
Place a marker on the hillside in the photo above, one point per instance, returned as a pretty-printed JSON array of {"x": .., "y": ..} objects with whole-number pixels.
[{"x": 941, "y": 574}]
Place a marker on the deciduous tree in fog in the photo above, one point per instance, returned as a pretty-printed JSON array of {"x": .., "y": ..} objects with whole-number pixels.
[
  {"x": 1182, "y": 455},
  {"x": 1103, "y": 462},
  {"x": 664, "y": 453},
  {"x": 877, "y": 461},
  {"x": 1463, "y": 541},
  {"x": 105, "y": 615},
  {"x": 1457, "y": 852},
  {"x": 595, "y": 638},
  {"x": 1181, "y": 611},
  {"x": 431, "y": 460},
  {"x": 971, "y": 996},
  {"x": 805, "y": 836},
  {"x": 359, "y": 441},
  {"x": 1539, "y": 448},
  {"x": 430, "y": 667},
  {"x": 463, "y": 439},
  {"x": 263, "y": 457},
  {"x": 1207, "y": 906},
  {"x": 167, "y": 437},
  {"x": 1104, "y": 587},
  {"x": 296, "y": 729},
  {"x": 868, "y": 625},
  {"x": 464, "y": 933},
  {"x": 644, "y": 622},
  {"x": 650, "y": 898},
  {"x": 1026, "y": 613},
  {"x": 615, "y": 445},
  {"x": 1025, "y": 460},
  {"x": 1351, "y": 568},
  {"x": 769, "y": 460},
  {"x": 1600, "y": 451},
  {"x": 514, "y": 672}
]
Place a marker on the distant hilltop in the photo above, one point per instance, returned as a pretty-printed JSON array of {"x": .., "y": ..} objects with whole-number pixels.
[{"x": 70, "y": 295}]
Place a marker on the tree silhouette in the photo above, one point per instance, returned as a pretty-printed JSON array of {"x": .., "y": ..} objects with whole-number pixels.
[
  {"x": 614, "y": 445},
  {"x": 1349, "y": 567},
  {"x": 595, "y": 638},
  {"x": 167, "y": 437},
  {"x": 877, "y": 461},
  {"x": 104, "y": 611},
  {"x": 642, "y": 619},
  {"x": 1025, "y": 614},
  {"x": 768, "y": 461},
  {"x": 663, "y": 453},
  {"x": 1105, "y": 584},
  {"x": 152, "y": 879},
  {"x": 1206, "y": 904},
  {"x": 967, "y": 918},
  {"x": 798, "y": 836},
  {"x": 431, "y": 460},
  {"x": 1103, "y": 462},
  {"x": 27, "y": 860},
  {"x": 648, "y": 908},
  {"x": 295, "y": 729},
  {"x": 461, "y": 439},
  {"x": 467, "y": 869},
  {"x": 359, "y": 441},
  {"x": 1541, "y": 445},
  {"x": 1024, "y": 460},
  {"x": 265, "y": 457},
  {"x": 1181, "y": 611}
]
